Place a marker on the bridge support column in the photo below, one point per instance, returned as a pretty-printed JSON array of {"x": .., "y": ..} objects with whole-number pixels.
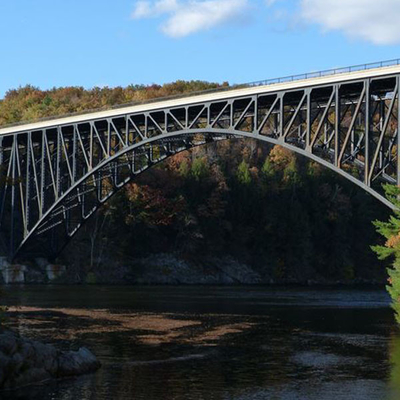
[{"x": 12, "y": 273}]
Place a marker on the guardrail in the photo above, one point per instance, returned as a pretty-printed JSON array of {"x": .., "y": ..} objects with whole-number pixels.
[
  {"x": 267, "y": 82},
  {"x": 327, "y": 72}
]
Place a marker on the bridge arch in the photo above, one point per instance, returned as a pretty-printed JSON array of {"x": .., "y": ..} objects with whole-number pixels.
[
  {"x": 56, "y": 173},
  {"x": 209, "y": 136}
]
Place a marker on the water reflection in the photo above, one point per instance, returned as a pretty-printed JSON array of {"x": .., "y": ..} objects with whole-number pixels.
[{"x": 217, "y": 343}]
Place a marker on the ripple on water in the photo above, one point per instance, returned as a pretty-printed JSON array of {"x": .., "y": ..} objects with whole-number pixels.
[
  {"x": 352, "y": 390},
  {"x": 210, "y": 343},
  {"x": 322, "y": 360}
]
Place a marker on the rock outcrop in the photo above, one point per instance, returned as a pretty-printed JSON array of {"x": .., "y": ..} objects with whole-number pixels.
[{"x": 24, "y": 362}]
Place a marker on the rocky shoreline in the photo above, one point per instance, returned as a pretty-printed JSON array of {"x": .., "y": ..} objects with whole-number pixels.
[
  {"x": 173, "y": 269},
  {"x": 24, "y": 362}
]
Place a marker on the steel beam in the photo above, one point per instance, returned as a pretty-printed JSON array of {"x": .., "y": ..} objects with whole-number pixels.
[{"x": 56, "y": 177}]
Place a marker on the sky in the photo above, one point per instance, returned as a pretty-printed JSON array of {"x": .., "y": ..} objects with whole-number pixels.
[{"x": 53, "y": 43}]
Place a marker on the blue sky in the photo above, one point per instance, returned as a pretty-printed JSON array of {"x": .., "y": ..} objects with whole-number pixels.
[{"x": 89, "y": 43}]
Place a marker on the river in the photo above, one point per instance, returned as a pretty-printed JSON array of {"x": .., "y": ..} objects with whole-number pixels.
[{"x": 214, "y": 343}]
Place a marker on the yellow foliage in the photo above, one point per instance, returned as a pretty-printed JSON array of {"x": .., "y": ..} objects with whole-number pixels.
[
  {"x": 281, "y": 157},
  {"x": 393, "y": 241}
]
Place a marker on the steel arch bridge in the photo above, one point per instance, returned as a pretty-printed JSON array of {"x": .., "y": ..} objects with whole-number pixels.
[{"x": 55, "y": 174}]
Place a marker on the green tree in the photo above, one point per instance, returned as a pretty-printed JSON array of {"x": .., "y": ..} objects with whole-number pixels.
[
  {"x": 199, "y": 169},
  {"x": 390, "y": 230},
  {"x": 184, "y": 169},
  {"x": 267, "y": 169},
  {"x": 243, "y": 173}
]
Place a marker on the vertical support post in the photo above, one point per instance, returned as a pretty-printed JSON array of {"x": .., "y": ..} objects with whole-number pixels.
[
  {"x": 13, "y": 184},
  {"x": 337, "y": 123},
  {"x": 91, "y": 146},
  {"x": 255, "y": 119},
  {"x": 28, "y": 181},
  {"x": 367, "y": 130},
  {"x": 42, "y": 175},
  {"x": 74, "y": 149},
  {"x": 281, "y": 115},
  {"x": 308, "y": 128},
  {"x": 231, "y": 116},
  {"x": 382, "y": 126},
  {"x": 99, "y": 185},
  {"x": 108, "y": 138},
  {"x": 58, "y": 161},
  {"x": 126, "y": 131}
]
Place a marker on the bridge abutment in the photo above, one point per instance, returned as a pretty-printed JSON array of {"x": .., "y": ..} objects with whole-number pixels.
[{"x": 38, "y": 272}]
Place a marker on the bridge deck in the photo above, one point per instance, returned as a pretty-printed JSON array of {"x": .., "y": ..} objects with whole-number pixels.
[{"x": 221, "y": 95}]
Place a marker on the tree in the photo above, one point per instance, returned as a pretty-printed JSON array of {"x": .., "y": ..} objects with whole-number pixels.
[
  {"x": 200, "y": 169},
  {"x": 390, "y": 230},
  {"x": 243, "y": 173}
]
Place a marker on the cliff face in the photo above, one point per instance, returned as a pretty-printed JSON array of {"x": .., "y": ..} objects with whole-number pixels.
[
  {"x": 174, "y": 269},
  {"x": 177, "y": 269},
  {"x": 170, "y": 269}
]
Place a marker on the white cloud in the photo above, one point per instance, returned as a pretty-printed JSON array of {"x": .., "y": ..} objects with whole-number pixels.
[
  {"x": 190, "y": 16},
  {"x": 376, "y": 21},
  {"x": 146, "y": 9}
]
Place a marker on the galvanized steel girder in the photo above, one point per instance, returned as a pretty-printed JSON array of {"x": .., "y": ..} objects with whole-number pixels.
[{"x": 55, "y": 178}]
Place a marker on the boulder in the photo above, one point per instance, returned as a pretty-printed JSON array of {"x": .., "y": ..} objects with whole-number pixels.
[
  {"x": 77, "y": 362},
  {"x": 8, "y": 343},
  {"x": 24, "y": 362}
]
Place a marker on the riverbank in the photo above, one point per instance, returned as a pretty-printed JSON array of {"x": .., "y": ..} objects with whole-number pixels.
[{"x": 174, "y": 269}]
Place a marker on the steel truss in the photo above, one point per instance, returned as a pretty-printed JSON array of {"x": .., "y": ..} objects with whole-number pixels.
[{"x": 55, "y": 178}]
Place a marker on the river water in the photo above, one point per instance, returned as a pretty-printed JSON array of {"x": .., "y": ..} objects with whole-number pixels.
[{"x": 236, "y": 343}]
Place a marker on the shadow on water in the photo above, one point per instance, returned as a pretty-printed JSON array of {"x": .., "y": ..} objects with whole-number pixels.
[{"x": 216, "y": 342}]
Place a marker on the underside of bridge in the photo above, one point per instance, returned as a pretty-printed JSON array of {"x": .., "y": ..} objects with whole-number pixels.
[{"x": 54, "y": 178}]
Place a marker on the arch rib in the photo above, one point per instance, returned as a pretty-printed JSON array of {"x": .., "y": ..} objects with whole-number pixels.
[{"x": 64, "y": 172}]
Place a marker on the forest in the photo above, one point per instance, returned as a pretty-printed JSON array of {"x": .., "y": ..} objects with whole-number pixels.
[{"x": 286, "y": 217}]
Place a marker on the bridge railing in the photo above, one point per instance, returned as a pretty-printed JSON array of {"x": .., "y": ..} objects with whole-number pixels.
[
  {"x": 327, "y": 72},
  {"x": 267, "y": 82}
]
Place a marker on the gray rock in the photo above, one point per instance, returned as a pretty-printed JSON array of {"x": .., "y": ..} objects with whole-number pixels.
[
  {"x": 47, "y": 356},
  {"x": 28, "y": 377},
  {"x": 4, "y": 366},
  {"x": 78, "y": 362},
  {"x": 16, "y": 363},
  {"x": 24, "y": 362},
  {"x": 8, "y": 343},
  {"x": 28, "y": 354},
  {"x": 170, "y": 269}
]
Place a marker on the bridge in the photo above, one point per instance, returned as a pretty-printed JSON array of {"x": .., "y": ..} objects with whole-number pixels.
[{"x": 56, "y": 173}]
